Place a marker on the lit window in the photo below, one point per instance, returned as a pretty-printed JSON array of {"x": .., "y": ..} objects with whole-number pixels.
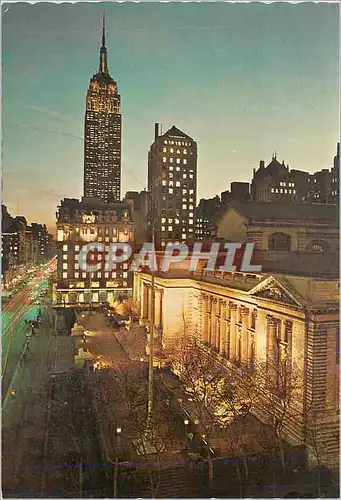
[
  {"x": 285, "y": 190},
  {"x": 171, "y": 150},
  {"x": 163, "y": 220},
  {"x": 170, "y": 160},
  {"x": 171, "y": 167},
  {"x": 170, "y": 190},
  {"x": 185, "y": 161},
  {"x": 164, "y": 150},
  {"x": 184, "y": 176},
  {"x": 163, "y": 228},
  {"x": 65, "y": 256},
  {"x": 164, "y": 159},
  {"x": 178, "y": 160},
  {"x": 294, "y": 191},
  {"x": 65, "y": 248},
  {"x": 164, "y": 183},
  {"x": 76, "y": 275},
  {"x": 177, "y": 221},
  {"x": 177, "y": 184},
  {"x": 185, "y": 151},
  {"x": 272, "y": 190},
  {"x": 184, "y": 207},
  {"x": 64, "y": 275},
  {"x": 64, "y": 265},
  {"x": 77, "y": 248},
  {"x": 184, "y": 191},
  {"x": 171, "y": 183},
  {"x": 191, "y": 207},
  {"x": 177, "y": 169},
  {"x": 170, "y": 175},
  {"x": 76, "y": 265},
  {"x": 190, "y": 221},
  {"x": 170, "y": 228}
]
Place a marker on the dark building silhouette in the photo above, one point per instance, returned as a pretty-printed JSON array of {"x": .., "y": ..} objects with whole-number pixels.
[
  {"x": 172, "y": 183},
  {"x": 140, "y": 204},
  {"x": 238, "y": 191},
  {"x": 102, "y": 135},
  {"x": 204, "y": 214},
  {"x": 335, "y": 177},
  {"x": 277, "y": 183}
]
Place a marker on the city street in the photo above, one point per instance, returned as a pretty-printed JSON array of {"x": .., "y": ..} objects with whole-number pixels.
[{"x": 23, "y": 306}]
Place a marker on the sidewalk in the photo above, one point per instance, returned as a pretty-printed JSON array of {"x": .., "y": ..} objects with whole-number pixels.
[
  {"x": 133, "y": 341},
  {"x": 24, "y": 416}
]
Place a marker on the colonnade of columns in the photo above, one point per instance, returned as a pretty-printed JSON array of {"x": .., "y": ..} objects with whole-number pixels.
[
  {"x": 229, "y": 328},
  {"x": 146, "y": 304}
]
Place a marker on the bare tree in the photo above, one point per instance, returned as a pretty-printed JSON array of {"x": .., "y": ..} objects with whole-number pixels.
[
  {"x": 279, "y": 383},
  {"x": 216, "y": 396}
]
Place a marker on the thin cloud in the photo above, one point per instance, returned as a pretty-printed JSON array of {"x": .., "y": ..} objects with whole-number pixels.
[{"x": 54, "y": 114}]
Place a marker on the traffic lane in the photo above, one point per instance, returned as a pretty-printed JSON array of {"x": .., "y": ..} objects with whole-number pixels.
[{"x": 38, "y": 282}]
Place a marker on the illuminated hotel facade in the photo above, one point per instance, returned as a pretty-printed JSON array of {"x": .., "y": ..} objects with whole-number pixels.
[
  {"x": 86, "y": 221},
  {"x": 103, "y": 134},
  {"x": 172, "y": 182}
]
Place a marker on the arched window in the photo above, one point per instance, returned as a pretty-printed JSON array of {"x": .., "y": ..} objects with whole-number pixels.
[
  {"x": 317, "y": 246},
  {"x": 279, "y": 241}
]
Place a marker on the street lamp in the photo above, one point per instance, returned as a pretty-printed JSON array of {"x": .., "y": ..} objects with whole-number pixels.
[
  {"x": 118, "y": 432},
  {"x": 186, "y": 422}
]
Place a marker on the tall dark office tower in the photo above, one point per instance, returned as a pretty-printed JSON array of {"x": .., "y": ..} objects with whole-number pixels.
[
  {"x": 172, "y": 182},
  {"x": 102, "y": 136}
]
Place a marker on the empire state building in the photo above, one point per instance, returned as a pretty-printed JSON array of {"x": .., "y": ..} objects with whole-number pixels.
[{"x": 103, "y": 132}]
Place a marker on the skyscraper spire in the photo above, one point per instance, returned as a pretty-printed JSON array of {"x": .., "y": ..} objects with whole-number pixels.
[
  {"x": 103, "y": 63},
  {"x": 103, "y": 30}
]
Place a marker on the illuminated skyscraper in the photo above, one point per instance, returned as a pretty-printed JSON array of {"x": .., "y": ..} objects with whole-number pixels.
[
  {"x": 102, "y": 135},
  {"x": 172, "y": 182}
]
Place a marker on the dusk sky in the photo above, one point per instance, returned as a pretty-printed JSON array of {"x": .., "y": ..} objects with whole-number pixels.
[{"x": 242, "y": 80}]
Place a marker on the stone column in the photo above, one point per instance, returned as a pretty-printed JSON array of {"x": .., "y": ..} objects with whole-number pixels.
[
  {"x": 157, "y": 307},
  {"x": 204, "y": 319},
  {"x": 233, "y": 332},
  {"x": 209, "y": 321},
  {"x": 145, "y": 300},
  {"x": 271, "y": 357},
  {"x": 245, "y": 336},
  {"x": 149, "y": 303},
  {"x": 222, "y": 344},
  {"x": 214, "y": 323}
]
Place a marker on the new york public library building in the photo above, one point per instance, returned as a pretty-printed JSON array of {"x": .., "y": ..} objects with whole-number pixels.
[{"x": 285, "y": 315}]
